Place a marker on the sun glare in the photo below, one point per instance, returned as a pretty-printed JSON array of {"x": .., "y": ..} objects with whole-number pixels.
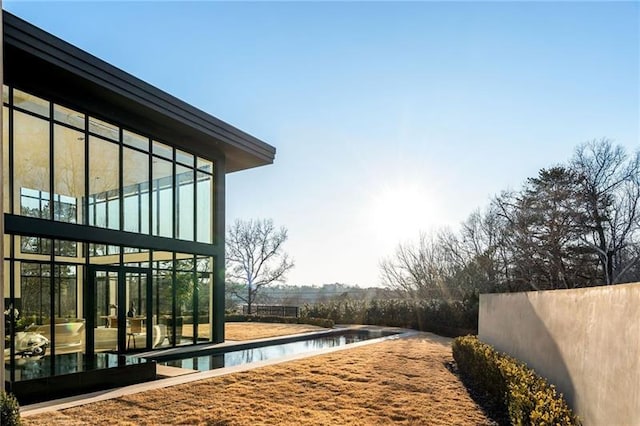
[{"x": 399, "y": 212}]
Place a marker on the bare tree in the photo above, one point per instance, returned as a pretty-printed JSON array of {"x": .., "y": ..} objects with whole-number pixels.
[
  {"x": 481, "y": 242},
  {"x": 610, "y": 186},
  {"x": 573, "y": 225},
  {"x": 422, "y": 270},
  {"x": 255, "y": 258}
]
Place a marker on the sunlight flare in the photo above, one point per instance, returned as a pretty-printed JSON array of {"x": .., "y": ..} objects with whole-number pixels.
[{"x": 400, "y": 211}]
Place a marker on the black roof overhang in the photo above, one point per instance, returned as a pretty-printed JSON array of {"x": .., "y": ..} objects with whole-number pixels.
[{"x": 41, "y": 63}]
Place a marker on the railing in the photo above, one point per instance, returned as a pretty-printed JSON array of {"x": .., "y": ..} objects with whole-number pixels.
[{"x": 272, "y": 310}]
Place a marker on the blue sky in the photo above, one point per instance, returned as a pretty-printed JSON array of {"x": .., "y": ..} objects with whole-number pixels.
[{"x": 388, "y": 118}]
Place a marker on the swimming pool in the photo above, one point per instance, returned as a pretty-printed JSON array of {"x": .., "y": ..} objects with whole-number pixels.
[{"x": 210, "y": 360}]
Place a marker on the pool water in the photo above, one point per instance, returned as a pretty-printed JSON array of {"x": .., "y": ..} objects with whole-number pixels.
[{"x": 247, "y": 356}]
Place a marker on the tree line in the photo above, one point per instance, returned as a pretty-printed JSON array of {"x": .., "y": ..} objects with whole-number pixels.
[{"x": 575, "y": 224}]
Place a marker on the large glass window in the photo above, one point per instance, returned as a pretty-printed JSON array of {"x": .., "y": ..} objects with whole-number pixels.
[
  {"x": 35, "y": 292},
  {"x": 135, "y": 190},
  {"x": 204, "y": 207},
  {"x": 68, "y": 167},
  {"x": 31, "y": 165},
  {"x": 162, "y": 212},
  {"x": 69, "y": 117},
  {"x": 160, "y": 201},
  {"x": 31, "y": 103},
  {"x": 184, "y": 198},
  {"x": 65, "y": 295},
  {"x": 185, "y": 297},
  {"x": 204, "y": 291},
  {"x": 65, "y": 166},
  {"x": 162, "y": 298},
  {"x": 104, "y": 184},
  {"x": 104, "y": 129},
  {"x": 135, "y": 140}
]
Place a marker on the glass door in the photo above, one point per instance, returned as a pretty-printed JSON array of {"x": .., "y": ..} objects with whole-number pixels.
[
  {"x": 139, "y": 320},
  {"x": 106, "y": 316},
  {"x": 121, "y": 309}
]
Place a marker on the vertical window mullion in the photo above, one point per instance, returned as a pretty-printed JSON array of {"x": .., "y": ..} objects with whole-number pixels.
[
  {"x": 177, "y": 201},
  {"x": 11, "y": 168},
  {"x": 150, "y": 190},
  {"x": 196, "y": 312},
  {"x": 85, "y": 205},
  {"x": 52, "y": 308},
  {"x": 12, "y": 274},
  {"x": 51, "y": 175},
  {"x": 195, "y": 201},
  {"x": 120, "y": 180},
  {"x": 174, "y": 298},
  {"x": 139, "y": 205},
  {"x": 174, "y": 194}
]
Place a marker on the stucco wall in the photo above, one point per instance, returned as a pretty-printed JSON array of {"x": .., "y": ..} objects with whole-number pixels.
[{"x": 585, "y": 341}]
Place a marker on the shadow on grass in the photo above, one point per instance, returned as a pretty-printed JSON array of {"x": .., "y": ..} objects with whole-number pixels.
[{"x": 496, "y": 412}]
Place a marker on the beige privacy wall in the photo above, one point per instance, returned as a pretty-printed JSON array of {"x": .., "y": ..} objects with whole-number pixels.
[{"x": 585, "y": 341}]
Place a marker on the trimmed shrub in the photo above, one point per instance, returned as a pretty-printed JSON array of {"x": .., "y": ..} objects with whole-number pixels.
[
  {"x": 320, "y": 322},
  {"x": 9, "y": 410},
  {"x": 510, "y": 385},
  {"x": 448, "y": 318}
]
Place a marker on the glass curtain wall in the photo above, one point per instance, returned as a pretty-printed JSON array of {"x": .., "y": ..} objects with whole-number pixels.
[{"x": 64, "y": 166}]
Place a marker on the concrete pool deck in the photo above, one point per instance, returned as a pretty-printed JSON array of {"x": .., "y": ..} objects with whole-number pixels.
[{"x": 176, "y": 376}]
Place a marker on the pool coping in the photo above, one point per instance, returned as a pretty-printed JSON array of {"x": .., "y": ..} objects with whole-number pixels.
[{"x": 74, "y": 401}]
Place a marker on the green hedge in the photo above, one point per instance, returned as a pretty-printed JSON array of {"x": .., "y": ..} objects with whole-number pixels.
[
  {"x": 510, "y": 385},
  {"x": 448, "y": 318},
  {"x": 9, "y": 410},
  {"x": 320, "y": 322}
]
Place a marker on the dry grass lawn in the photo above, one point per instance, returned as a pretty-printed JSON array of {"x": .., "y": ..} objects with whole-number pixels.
[
  {"x": 260, "y": 330},
  {"x": 403, "y": 381},
  {"x": 252, "y": 330}
]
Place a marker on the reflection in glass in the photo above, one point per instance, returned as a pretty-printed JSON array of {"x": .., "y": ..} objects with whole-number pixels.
[
  {"x": 162, "y": 302},
  {"x": 35, "y": 245},
  {"x": 68, "y": 167},
  {"x": 162, "y": 213},
  {"x": 104, "y": 195},
  {"x": 136, "y": 290},
  {"x": 185, "y": 293},
  {"x": 106, "y": 313},
  {"x": 184, "y": 198},
  {"x": 204, "y": 208},
  {"x": 35, "y": 292},
  {"x": 246, "y": 356},
  {"x": 65, "y": 248},
  {"x": 99, "y": 250},
  {"x": 65, "y": 297},
  {"x": 136, "y": 190},
  {"x": 31, "y": 166},
  {"x": 205, "y": 284}
]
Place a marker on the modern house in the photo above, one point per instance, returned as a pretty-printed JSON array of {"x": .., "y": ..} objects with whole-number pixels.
[{"x": 113, "y": 195}]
